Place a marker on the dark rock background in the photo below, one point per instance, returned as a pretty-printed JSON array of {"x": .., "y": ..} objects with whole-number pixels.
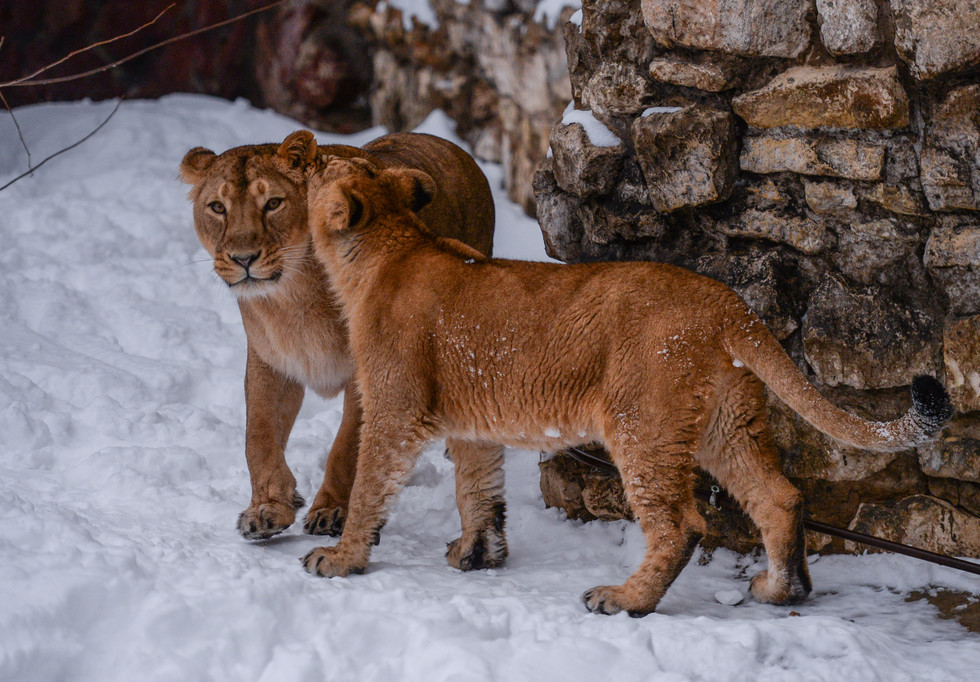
[{"x": 302, "y": 58}]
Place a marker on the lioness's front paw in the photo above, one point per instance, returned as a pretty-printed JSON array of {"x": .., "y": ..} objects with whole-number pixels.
[
  {"x": 485, "y": 549},
  {"x": 331, "y": 562},
  {"x": 611, "y": 599},
  {"x": 261, "y": 521},
  {"x": 325, "y": 521}
]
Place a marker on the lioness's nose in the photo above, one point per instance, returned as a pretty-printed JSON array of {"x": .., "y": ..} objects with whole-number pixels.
[{"x": 246, "y": 259}]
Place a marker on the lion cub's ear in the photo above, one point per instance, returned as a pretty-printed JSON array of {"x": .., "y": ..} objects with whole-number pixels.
[
  {"x": 299, "y": 149},
  {"x": 195, "y": 165},
  {"x": 345, "y": 207},
  {"x": 418, "y": 188}
]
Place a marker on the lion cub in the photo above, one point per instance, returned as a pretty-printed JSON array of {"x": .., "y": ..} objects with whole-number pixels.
[{"x": 663, "y": 366}]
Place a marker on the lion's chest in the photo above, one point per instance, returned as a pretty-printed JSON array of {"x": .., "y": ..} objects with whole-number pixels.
[{"x": 306, "y": 344}]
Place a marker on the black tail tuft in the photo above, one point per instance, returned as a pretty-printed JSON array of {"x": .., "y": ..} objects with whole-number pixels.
[{"x": 931, "y": 401}]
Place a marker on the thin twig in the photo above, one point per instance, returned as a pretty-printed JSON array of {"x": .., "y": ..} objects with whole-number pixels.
[
  {"x": 14, "y": 118},
  {"x": 23, "y": 80},
  {"x": 50, "y": 81},
  {"x": 68, "y": 148},
  {"x": 20, "y": 134}
]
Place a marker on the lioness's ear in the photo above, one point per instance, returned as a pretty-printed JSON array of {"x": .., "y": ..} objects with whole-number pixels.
[
  {"x": 299, "y": 149},
  {"x": 195, "y": 164},
  {"x": 417, "y": 186}
]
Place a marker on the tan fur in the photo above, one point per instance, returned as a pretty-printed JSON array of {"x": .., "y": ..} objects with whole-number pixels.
[
  {"x": 658, "y": 363},
  {"x": 296, "y": 336}
]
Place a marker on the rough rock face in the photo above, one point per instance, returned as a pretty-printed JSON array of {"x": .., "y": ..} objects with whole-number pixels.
[
  {"x": 823, "y": 159},
  {"x": 936, "y": 37},
  {"x": 827, "y": 97},
  {"x": 921, "y": 521},
  {"x": 583, "y": 168},
  {"x": 308, "y": 65},
  {"x": 865, "y": 338},
  {"x": 961, "y": 356},
  {"x": 950, "y": 174},
  {"x": 813, "y": 155},
  {"x": 848, "y": 26},
  {"x": 687, "y": 155},
  {"x": 751, "y": 28},
  {"x": 952, "y": 255}
]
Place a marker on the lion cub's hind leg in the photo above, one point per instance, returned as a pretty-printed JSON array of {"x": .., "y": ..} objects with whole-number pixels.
[
  {"x": 658, "y": 477},
  {"x": 480, "y": 499},
  {"x": 738, "y": 450}
]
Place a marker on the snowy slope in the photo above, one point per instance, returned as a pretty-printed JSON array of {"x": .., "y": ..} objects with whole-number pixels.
[{"x": 122, "y": 473}]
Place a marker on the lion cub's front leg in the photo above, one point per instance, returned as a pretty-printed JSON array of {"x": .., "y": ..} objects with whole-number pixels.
[
  {"x": 272, "y": 402},
  {"x": 387, "y": 456}
]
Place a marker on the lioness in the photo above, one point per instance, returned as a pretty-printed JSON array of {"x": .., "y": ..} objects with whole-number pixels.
[
  {"x": 250, "y": 213},
  {"x": 663, "y": 366}
]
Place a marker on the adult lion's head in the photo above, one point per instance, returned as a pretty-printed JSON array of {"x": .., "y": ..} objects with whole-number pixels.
[{"x": 250, "y": 210}]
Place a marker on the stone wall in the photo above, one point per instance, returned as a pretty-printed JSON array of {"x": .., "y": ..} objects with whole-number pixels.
[
  {"x": 497, "y": 67},
  {"x": 823, "y": 159}
]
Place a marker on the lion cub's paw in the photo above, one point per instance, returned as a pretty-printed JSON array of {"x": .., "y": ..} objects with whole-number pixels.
[
  {"x": 261, "y": 521},
  {"x": 331, "y": 562},
  {"x": 325, "y": 521},
  {"x": 611, "y": 599},
  {"x": 782, "y": 592},
  {"x": 485, "y": 549}
]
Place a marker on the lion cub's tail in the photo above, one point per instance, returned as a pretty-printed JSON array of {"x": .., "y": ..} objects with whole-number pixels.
[{"x": 760, "y": 352}]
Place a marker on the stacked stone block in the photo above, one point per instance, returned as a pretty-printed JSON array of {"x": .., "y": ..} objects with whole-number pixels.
[{"x": 822, "y": 157}]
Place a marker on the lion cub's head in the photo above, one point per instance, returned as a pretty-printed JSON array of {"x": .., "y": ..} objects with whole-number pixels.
[
  {"x": 349, "y": 197},
  {"x": 250, "y": 210}
]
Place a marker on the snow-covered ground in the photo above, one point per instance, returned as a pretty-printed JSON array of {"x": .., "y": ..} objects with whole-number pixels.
[{"x": 122, "y": 473}]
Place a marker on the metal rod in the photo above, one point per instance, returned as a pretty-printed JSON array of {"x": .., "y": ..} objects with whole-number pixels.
[
  {"x": 897, "y": 548},
  {"x": 816, "y": 526}
]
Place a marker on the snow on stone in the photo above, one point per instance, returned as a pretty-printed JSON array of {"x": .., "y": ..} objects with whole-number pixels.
[
  {"x": 659, "y": 110},
  {"x": 548, "y": 12},
  {"x": 599, "y": 135},
  {"x": 122, "y": 472},
  {"x": 417, "y": 9}
]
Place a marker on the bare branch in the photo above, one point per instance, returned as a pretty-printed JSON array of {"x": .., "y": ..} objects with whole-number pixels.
[
  {"x": 32, "y": 79},
  {"x": 79, "y": 51},
  {"x": 68, "y": 148},
  {"x": 50, "y": 81},
  {"x": 20, "y": 134}
]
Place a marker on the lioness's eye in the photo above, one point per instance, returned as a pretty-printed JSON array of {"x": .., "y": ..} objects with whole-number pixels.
[
  {"x": 217, "y": 207},
  {"x": 273, "y": 203}
]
